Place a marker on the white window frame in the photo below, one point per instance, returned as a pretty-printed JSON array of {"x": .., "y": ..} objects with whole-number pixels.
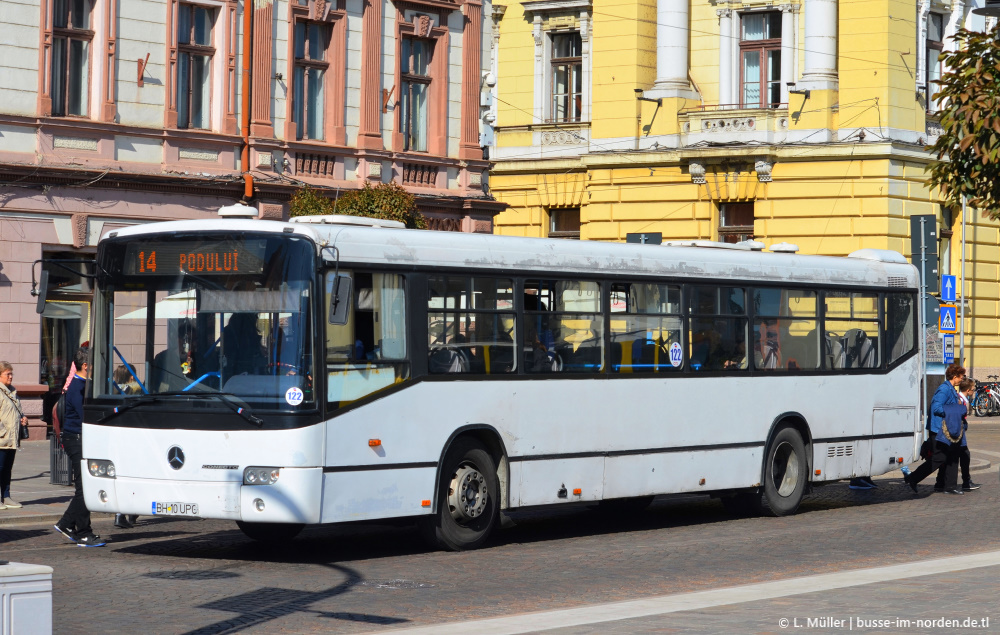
[{"x": 541, "y": 12}]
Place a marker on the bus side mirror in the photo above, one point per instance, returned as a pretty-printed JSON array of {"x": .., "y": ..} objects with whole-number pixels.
[
  {"x": 42, "y": 291},
  {"x": 340, "y": 299}
]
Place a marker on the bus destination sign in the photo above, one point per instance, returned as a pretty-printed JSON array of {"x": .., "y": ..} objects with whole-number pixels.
[{"x": 220, "y": 257}]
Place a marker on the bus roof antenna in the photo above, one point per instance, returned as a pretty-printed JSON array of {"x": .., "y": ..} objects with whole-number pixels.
[{"x": 238, "y": 210}]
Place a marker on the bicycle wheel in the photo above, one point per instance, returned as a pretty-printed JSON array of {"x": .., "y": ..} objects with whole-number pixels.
[{"x": 980, "y": 404}]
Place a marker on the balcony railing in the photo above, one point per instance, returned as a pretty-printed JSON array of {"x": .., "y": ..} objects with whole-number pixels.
[
  {"x": 315, "y": 165},
  {"x": 420, "y": 175}
]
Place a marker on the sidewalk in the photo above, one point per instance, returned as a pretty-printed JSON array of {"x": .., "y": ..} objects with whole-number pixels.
[{"x": 43, "y": 502}]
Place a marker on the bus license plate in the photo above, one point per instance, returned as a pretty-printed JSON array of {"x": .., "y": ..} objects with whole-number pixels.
[{"x": 175, "y": 509}]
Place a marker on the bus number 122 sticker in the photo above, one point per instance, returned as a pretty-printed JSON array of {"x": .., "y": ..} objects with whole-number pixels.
[
  {"x": 676, "y": 354},
  {"x": 294, "y": 396}
]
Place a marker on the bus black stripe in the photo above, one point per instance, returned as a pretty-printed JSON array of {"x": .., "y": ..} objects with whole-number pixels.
[{"x": 382, "y": 466}]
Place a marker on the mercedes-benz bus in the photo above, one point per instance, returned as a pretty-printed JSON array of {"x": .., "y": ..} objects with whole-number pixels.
[{"x": 331, "y": 370}]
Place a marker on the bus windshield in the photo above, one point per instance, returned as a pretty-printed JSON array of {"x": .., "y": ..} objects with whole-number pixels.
[{"x": 184, "y": 316}]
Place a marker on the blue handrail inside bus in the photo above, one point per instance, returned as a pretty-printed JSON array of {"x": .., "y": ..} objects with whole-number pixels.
[
  {"x": 197, "y": 381},
  {"x": 130, "y": 370}
]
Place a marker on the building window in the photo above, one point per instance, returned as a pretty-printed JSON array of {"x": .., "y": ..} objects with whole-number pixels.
[
  {"x": 935, "y": 35},
  {"x": 567, "y": 77},
  {"x": 415, "y": 64},
  {"x": 311, "y": 42},
  {"x": 71, "y": 37},
  {"x": 736, "y": 222},
  {"x": 194, "y": 65},
  {"x": 564, "y": 223},
  {"x": 760, "y": 60}
]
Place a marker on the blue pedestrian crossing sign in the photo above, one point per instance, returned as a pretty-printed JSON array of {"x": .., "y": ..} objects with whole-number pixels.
[
  {"x": 947, "y": 288},
  {"x": 948, "y": 319}
]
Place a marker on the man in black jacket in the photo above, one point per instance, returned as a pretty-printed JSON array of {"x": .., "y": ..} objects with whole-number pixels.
[{"x": 75, "y": 523}]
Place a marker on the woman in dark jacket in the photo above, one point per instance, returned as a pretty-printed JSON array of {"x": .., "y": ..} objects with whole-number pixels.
[{"x": 945, "y": 395}]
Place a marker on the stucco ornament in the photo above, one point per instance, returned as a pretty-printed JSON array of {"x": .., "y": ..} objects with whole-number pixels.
[
  {"x": 697, "y": 171},
  {"x": 763, "y": 170}
]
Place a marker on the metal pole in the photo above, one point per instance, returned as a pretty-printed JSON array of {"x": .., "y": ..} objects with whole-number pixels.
[
  {"x": 961, "y": 319},
  {"x": 923, "y": 324}
]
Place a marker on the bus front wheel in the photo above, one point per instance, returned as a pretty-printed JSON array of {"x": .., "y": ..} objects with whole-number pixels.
[
  {"x": 270, "y": 532},
  {"x": 467, "y": 499},
  {"x": 785, "y": 474}
]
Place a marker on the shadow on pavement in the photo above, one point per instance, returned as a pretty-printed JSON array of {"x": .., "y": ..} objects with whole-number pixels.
[
  {"x": 364, "y": 541},
  {"x": 260, "y": 606},
  {"x": 13, "y": 535}
]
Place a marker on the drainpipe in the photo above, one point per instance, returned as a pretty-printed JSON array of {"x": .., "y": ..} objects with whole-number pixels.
[{"x": 245, "y": 113}]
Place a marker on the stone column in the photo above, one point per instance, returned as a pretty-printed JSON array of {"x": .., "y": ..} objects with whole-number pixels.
[
  {"x": 787, "y": 49},
  {"x": 472, "y": 74},
  {"x": 725, "y": 56},
  {"x": 820, "y": 72},
  {"x": 370, "y": 128},
  {"x": 672, "y": 36}
]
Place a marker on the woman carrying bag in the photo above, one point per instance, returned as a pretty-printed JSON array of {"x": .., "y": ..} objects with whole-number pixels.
[{"x": 12, "y": 423}]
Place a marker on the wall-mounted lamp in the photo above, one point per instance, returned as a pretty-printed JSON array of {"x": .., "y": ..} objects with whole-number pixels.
[
  {"x": 640, "y": 97},
  {"x": 279, "y": 77},
  {"x": 792, "y": 91}
]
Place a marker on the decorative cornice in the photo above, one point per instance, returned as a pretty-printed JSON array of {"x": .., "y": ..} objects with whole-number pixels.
[{"x": 547, "y": 6}]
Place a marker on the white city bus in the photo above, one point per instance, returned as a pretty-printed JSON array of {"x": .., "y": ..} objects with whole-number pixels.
[{"x": 284, "y": 374}]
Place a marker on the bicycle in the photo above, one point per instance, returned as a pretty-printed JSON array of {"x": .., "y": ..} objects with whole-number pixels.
[{"x": 986, "y": 399}]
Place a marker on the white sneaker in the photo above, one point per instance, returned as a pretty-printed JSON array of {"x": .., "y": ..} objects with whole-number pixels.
[
  {"x": 12, "y": 504},
  {"x": 2, "y": 506}
]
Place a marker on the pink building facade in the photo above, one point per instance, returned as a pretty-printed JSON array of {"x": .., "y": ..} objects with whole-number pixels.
[{"x": 119, "y": 113}]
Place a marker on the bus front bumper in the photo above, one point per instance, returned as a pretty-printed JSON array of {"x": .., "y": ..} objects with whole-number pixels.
[{"x": 294, "y": 498}]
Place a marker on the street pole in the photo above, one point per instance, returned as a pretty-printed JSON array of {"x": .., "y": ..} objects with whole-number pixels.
[
  {"x": 923, "y": 318},
  {"x": 961, "y": 320}
]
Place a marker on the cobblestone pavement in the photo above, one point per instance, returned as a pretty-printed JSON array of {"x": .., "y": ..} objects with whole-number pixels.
[{"x": 200, "y": 576}]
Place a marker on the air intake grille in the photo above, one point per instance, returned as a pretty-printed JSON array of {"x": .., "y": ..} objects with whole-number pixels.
[
  {"x": 840, "y": 450},
  {"x": 897, "y": 281}
]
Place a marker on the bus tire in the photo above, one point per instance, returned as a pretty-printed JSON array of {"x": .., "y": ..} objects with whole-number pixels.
[
  {"x": 270, "y": 532},
  {"x": 468, "y": 499},
  {"x": 785, "y": 474}
]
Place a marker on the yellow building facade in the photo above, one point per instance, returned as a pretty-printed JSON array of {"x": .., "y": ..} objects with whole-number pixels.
[{"x": 803, "y": 123}]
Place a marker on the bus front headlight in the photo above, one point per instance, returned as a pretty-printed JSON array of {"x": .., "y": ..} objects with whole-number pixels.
[
  {"x": 101, "y": 468},
  {"x": 261, "y": 475}
]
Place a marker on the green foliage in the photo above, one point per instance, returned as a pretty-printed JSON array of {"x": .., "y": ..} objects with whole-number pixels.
[
  {"x": 387, "y": 201},
  {"x": 967, "y": 149}
]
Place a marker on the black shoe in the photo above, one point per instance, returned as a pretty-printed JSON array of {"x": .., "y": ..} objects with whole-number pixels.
[
  {"x": 968, "y": 487},
  {"x": 122, "y": 521},
  {"x": 91, "y": 539},
  {"x": 65, "y": 531},
  {"x": 908, "y": 479},
  {"x": 953, "y": 491},
  {"x": 938, "y": 489}
]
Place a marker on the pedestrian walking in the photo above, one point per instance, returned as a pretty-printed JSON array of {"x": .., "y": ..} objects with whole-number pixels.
[
  {"x": 966, "y": 388},
  {"x": 11, "y": 421},
  {"x": 75, "y": 522},
  {"x": 944, "y": 396}
]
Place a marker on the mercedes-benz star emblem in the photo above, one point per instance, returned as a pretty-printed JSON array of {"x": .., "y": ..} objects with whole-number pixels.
[{"x": 175, "y": 457}]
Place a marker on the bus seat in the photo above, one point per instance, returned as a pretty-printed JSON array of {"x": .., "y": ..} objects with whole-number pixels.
[
  {"x": 860, "y": 349},
  {"x": 834, "y": 351}
]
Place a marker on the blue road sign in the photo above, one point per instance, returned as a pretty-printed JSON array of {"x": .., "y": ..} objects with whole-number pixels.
[
  {"x": 949, "y": 349},
  {"x": 948, "y": 319},
  {"x": 947, "y": 288}
]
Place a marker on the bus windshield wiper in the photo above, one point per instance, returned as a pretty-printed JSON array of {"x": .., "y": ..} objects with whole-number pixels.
[
  {"x": 128, "y": 405},
  {"x": 234, "y": 403}
]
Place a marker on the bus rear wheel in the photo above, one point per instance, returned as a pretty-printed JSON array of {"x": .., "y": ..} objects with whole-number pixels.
[
  {"x": 468, "y": 499},
  {"x": 785, "y": 474},
  {"x": 270, "y": 532}
]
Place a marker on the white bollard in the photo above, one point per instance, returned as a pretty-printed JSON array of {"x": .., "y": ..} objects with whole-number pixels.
[{"x": 25, "y": 599}]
